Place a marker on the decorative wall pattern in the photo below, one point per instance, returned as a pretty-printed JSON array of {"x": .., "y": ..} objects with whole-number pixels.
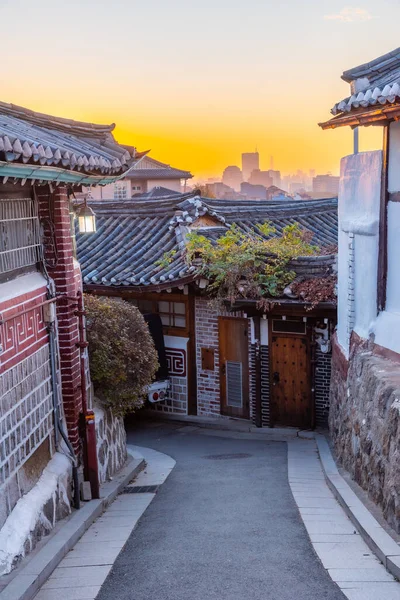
[{"x": 176, "y": 360}]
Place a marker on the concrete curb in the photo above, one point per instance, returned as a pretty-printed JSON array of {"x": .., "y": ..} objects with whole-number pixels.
[
  {"x": 29, "y": 580},
  {"x": 376, "y": 538}
]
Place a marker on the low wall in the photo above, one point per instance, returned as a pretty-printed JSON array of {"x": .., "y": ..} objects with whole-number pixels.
[
  {"x": 111, "y": 442},
  {"x": 365, "y": 425},
  {"x": 36, "y": 513}
]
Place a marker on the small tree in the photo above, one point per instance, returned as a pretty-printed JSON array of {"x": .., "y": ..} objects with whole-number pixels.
[{"x": 123, "y": 359}]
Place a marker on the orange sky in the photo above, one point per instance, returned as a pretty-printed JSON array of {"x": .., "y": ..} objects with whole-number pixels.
[{"x": 199, "y": 83}]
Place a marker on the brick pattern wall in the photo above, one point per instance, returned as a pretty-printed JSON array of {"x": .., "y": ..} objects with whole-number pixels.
[
  {"x": 208, "y": 393},
  {"x": 323, "y": 367},
  {"x": 26, "y": 413},
  {"x": 55, "y": 219},
  {"x": 176, "y": 402}
]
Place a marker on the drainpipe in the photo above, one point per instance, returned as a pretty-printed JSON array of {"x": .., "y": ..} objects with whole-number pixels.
[
  {"x": 91, "y": 465},
  {"x": 59, "y": 430}
]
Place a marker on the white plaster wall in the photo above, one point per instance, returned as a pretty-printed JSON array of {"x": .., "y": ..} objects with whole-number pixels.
[
  {"x": 359, "y": 205},
  {"x": 387, "y": 329}
]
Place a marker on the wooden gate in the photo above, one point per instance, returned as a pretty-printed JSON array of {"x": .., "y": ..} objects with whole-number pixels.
[
  {"x": 234, "y": 367},
  {"x": 290, "y": 382}
]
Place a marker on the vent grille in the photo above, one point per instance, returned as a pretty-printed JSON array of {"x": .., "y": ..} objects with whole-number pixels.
[{"x": 234, "y": 388}]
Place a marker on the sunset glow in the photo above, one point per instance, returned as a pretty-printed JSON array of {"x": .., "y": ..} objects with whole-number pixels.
[{"x": 198, "y": 83}]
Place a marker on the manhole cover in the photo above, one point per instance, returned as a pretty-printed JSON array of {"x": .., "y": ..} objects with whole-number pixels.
[
  {"x": 140, "y": 489},
  {"x": 226, "y": 456}
]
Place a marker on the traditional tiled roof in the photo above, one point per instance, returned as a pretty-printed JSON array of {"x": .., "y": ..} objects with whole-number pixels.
[
  {"x": 150, "y": 168},
  {"x": 56, "y": 149},
  {"x": 157, "y": 192},
  {"x": 375, "y": 84},
  {"x": 132, "y": 236}
]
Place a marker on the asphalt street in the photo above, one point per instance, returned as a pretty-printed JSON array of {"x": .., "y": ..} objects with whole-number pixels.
[{"x": 223, "y": 526}]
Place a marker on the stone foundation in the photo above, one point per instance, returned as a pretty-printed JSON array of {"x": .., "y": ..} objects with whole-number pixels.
[
  {"x": 365, "y": 425},
  {"x": 111, "y": 442}
]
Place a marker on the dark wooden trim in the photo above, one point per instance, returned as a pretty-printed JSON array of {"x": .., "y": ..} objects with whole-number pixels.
[
  {"x": 394, "y": 197},
  {"x": 192, "y": 357},
  {"x": 257, "y": 370},
  {"x": 364, "y": 116},
  {"x": 382, "y": 256}
]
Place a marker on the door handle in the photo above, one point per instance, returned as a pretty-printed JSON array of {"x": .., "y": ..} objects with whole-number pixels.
[{"x": 275, "y": 378}]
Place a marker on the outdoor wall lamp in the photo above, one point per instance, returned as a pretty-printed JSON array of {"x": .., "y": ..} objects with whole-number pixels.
[{"x": 86, "y": 219}]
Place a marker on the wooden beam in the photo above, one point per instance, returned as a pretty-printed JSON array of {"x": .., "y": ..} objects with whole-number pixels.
[
  {"x": 382, "y": 256},
  {"x": 364, "y": 116}
]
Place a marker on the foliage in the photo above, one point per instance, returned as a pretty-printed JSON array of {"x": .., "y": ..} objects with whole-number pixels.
[
  {"x": 204, "y": 191},
  {"x": 166, "y": 260},
  {"x": 251, "y": 264},
  {"x": 316, "y": 290},
  {"x": 123, "y": 359}
]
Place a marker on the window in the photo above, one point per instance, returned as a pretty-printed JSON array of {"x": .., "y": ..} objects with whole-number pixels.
[
  {"x": 19, "y": 235},
  {"x": 173, "y": 314},
  {"x": 136, "y": 188},
  {"x": 120, "y": 191}
]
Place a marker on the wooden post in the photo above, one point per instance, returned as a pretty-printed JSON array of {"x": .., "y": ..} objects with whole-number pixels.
[{"x": 382, "y": 257}]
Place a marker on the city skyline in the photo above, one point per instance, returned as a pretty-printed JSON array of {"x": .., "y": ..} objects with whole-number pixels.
[{"x": 248, "y": 85}]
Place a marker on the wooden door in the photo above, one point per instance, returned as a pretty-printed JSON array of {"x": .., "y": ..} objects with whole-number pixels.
[
  {"x": 234, "y": 367},
  {"x": 290, "y": 382}
]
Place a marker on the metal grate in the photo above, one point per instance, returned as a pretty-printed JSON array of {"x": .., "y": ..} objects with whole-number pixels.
[
  {"x": 19, "y": 234},
  {"x": 140, "y": 489},
  {"x": 234, "y": 388}
]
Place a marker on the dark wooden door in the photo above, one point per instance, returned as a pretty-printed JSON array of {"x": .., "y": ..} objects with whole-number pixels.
[
  {"x": 290, "y": 382},
  {"x": 234, "y": 367}
]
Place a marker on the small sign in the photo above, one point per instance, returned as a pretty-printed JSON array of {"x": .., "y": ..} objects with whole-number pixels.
[{"x": 207, "y": 359}]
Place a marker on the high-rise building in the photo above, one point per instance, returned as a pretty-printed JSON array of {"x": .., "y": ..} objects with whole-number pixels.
[
  {"x": 276, "y": 177},
  {"x": 326, "y": 185},
  {"x": 250, "y": 162},
  {"x": 232, "y": 176},
  {"x": 258, "y": 177}
]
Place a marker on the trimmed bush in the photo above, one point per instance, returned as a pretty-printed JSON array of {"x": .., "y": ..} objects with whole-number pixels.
[{"x": 123, "y": 359}]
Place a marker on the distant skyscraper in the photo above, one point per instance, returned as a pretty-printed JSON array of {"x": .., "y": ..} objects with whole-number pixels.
[
  {"x": 232, "y": 176},
  {"x": 276, "y": 177},
  {"x": 258, "y": 177},
  {"x": 250, "y": 162},
  {"x": 327, "y": 185}
]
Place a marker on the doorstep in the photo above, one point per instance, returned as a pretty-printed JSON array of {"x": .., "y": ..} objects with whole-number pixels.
[{"x": 32, "y": 573}]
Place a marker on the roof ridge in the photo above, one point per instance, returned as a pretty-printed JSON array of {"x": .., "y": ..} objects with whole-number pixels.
[
  {"x": 53, "y": 122},
  {"x": 385, "y": 62}
]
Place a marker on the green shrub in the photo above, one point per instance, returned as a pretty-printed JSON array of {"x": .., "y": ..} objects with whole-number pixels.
[{"x": 123, "y": 359}]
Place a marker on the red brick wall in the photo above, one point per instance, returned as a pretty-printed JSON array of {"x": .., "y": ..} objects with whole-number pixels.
[{"x": 55, "y": 218}]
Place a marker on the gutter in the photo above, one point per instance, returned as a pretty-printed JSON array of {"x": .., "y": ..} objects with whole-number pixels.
[{"x": 55, "y": 174}]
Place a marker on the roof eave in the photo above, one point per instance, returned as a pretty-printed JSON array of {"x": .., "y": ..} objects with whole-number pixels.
[
  {"x": 54, "y": 174},
  {"x": 364, "y": 117}
]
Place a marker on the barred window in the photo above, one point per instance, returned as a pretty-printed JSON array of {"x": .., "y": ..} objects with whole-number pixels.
[
  {"x": 120, "y": 191},
  {"x": 19, "y": 235}
]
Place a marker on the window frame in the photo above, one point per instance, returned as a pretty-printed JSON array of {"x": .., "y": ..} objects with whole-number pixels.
[{"x": 164, "y": 297}]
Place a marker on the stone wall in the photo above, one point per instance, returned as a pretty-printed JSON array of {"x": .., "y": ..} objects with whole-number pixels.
[
  {"x": 365, "y": 424},
  {"x": 111, "y": 442}
]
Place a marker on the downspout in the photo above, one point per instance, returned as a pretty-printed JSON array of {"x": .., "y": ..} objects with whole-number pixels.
[{"x": 59, "y": 430}]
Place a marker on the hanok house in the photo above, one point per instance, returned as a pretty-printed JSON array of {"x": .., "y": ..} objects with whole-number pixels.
[
  {"x": 272, "y": 368},
  {"x": 43, "y": 362},
  {"x": 365, "y": 415}
]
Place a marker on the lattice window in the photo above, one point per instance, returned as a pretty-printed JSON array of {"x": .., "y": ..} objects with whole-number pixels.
[
  {"x": 19, "y": 234},
  {"x": 120, "y": 190},
  {"x": 173, "y": 314}
]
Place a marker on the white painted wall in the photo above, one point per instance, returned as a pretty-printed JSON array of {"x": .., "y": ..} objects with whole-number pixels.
[{"x": 359, "y": 204}]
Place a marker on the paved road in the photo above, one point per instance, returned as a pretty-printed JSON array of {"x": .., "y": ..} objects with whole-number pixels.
[{"x": 224, "y": 526}]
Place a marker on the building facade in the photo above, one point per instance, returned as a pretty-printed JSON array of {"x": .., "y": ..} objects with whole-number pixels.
[
  {"x": 270, "y": 367},
  {"x": 250, "y": 162},
  {"x": 44, "y": 381},
  {"x": 365, "y": 391}
]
